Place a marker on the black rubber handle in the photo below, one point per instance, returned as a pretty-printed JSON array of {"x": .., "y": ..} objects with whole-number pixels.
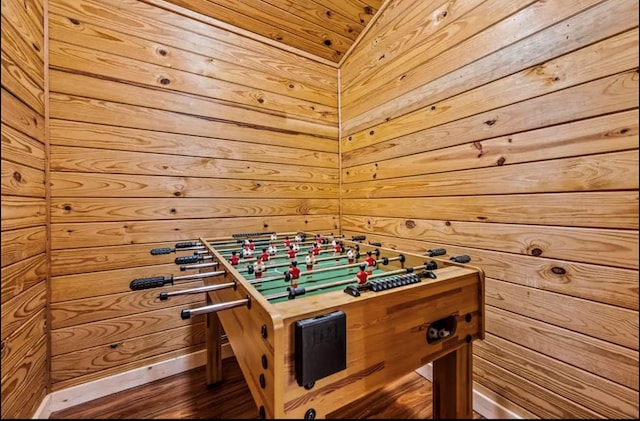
[
  {"x": 187, "y": 244},
  {"x": 182, "y": 260},
  {"x": 375, "y": 243},
  {"x": 436, "y": 252},
  {"x": 185, "y": 314},
  {"x": 461, "y": 259},
  {"x": 358, "y": 238},
  {"x": 294, "y": 292},
  {"x": 431, "y": 265},
  {"x": 152, "y": 282},
  {"x": 162, "y": 250}
]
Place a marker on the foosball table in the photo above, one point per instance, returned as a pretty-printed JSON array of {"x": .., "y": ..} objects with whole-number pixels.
[{"x": 311, "y": 343}]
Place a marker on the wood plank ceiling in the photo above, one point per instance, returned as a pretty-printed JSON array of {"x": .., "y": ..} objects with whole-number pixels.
[{"x": 322, "y": 28}]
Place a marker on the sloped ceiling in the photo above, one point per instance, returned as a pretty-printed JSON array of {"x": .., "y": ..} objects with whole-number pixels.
[{"x": 322, "y": 28}]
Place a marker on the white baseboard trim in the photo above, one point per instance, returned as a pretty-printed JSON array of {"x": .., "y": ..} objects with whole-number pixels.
[
  {"x": 482, "y": 404},
  {"x": 75, "y": 395}
]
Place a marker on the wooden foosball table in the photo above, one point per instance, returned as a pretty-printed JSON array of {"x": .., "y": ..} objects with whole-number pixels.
[{"x": 311, "y": 345}]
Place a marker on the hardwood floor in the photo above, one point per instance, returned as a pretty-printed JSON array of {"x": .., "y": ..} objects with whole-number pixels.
[{"x": 185, "y": 396}]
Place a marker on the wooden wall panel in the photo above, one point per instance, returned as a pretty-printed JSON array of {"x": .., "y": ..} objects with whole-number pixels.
[
  {"x": 25, "y": 379},
  {"x": 511, "y": 137},
  {"x": 157, "y": 137}
]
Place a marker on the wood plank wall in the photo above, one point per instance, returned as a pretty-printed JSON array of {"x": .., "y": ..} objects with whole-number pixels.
[
  {"x": 166, "y": 128},
  {"x": 508, "y": 130},
  {"x": 24, "y": 203}
]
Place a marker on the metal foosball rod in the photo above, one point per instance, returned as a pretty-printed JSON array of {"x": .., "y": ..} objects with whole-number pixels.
[
  {"x": 207, "y": 288},
  {"x": 294, "y": 292},
  {"x": 250, "y": 266},
  {"x": 197, "y": 245},
  {"x": 304, "y": 243},
  {"x": 286, "y": 276},
  {"x": 213, "y": 308},
  {"x": 224, "y": 251},
  {"x": 160, "y": 281}
]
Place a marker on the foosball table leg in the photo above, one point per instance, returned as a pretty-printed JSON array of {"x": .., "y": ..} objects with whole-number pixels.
[
  {"x": 213, "y": 338},
  {"x": 453, "y": 384}
]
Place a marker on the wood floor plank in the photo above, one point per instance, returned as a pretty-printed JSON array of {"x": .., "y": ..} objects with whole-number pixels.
[{"x": 185, "y": 396}]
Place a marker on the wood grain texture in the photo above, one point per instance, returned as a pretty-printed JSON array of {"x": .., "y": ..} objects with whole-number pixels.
[
  {"x": 606, "y": 398},
  {"x": 93, "y": 284},
  {"x": 136, "y": 232},
  {"x": 22, "y": 275},
  {"x": 613, "y": 362},
  {"x": 609, "y": 323},
  {"x": 69, "y": 211},
  {"x": 592, "y": 25},
  {"x": 616, "y": 93},
  {"x": 421, "y": 145},
  {"x": 564, "y": 209},
  {"x": 158, "y": 137},
  {"x": 72, "y": 184},
  {"x": 603, "y": 172},
  {"x": 208, "y": 107},
  {"x": 316, "y": 153},
  {"x": 20, "y": 180},
  {"x": 24, "y": 260},
  {"x": 319, "y": 29},
  {"x": 184, "y": 396},
  {"x": 593, "y": 281},
  {"x": 411, "y": 77},
  {"x": 20, "y": 212},
  {"x": 149, "y": 21},
  {"x": 17, "y": 147},
  {"x": 82, "y": 61},
  {"x": 196, "y": 62},
  {"x": 98, "y": 358},
  {"x": 610, "y": 132}
]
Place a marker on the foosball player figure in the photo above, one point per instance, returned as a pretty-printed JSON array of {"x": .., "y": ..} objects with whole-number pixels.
[
  {"x": 371, "y": 262},
  {"x": 297, "y": 238},
  {"x": 310, "y": 260},
  {"x": 259, "y": 268},
  {"x": 351, "y": 255},
  {"x": 250, "y": 244},
  {"x": 296, "y": 246},
  {"x": 316, "y": 249},
  {"x": 272, "y": 249},
  {"x": 246, "y": 252},
  {"x": 264, "y": 256},
  {"x": 234, "y": 259},
  {"x": 274, "y": 236},
  {"x": 287, "y": 242},
  {"x": 362, "y": 274},
  {"x": 291, "y": 253},
  {"x": 294, "y": 272},
  {"x": 337, "y": 249}
]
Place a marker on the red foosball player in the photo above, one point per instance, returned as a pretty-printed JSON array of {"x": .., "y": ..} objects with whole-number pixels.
[
  {"x": 287, "y": 242},
  {"x": 371, "y": 262},
  {"x": 310, "y": 260},
  {"x": 259, "y": 268},
  {"x": 251, "y": 245},
  {"x": 265, "y": 255},
  {"x": 291, "y": 252},
  {"x": 294, "y": 272},
  {"x": 337, "y": 249},
  {"x": 234, "y": 259},
  {"x": 316, "y": 249},
  {"x": 362, "y": 274}
]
